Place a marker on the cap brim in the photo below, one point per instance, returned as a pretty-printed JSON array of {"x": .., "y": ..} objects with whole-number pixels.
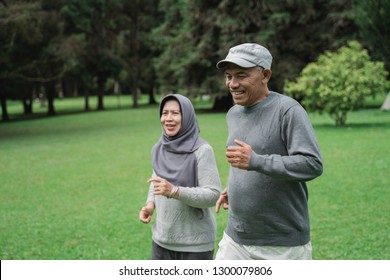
[{"x": 235, "y": 60}]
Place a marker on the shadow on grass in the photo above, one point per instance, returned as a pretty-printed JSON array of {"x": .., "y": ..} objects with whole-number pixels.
[
  {"x": 66, "y": 112},
  {"x": 352, "y": 126},
  {"x": 21, "y": 126},
  {"x": 43, "y": 131}
]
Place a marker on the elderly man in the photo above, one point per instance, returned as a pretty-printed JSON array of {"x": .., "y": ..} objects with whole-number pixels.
[{"x": 273, "y": 152}]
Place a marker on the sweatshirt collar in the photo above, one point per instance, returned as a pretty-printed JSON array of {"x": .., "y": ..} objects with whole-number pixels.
[{"x": 257, "y": 105}]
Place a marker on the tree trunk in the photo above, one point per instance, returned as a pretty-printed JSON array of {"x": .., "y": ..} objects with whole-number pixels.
[
  {"x": 27, "y": 97},
  {"x": 86, "y": 102},
  {"x": 152, "y": 99},
  {"x": 134, "y": 44},
  {"x": 28, "y": 105},
  {"x": 100, "y": 92},
  {"x": 4, "y": 115},
  {"x": 386, "y": 104},
  {"x": 135, "y": 95},
  {"x": 341, "y": 118},
  {"x": 75, "y": 89},
  {"x": 223, "y": 103},
  {"x": 50, "y": 93}
]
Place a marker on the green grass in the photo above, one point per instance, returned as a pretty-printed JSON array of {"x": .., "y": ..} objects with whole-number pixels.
[
  {"x": 349, "y": 203},
  {"x": 72, "y": 185}
]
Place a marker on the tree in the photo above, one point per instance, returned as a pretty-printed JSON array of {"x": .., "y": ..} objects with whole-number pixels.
[
  {"x": 3, "y": 101},
  {"x": 113, "y": 41},
  {"x": 339, "y": 82},
  {"x": 194, "y": 35},
  {"x": 300, "y": 30},
  {"x": 98, "y": 22},
  {"x": 373, "y": 20},
  {"x": 30, "y": 33},
  {"x": 136, "y": 48},
  {"x": 84, "y": 43}
]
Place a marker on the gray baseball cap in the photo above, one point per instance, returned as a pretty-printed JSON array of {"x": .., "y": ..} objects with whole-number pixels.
[{"x": 247, "y": 55}]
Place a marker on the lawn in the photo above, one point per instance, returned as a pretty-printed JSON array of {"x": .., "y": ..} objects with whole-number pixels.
[{"x": 72, "y": 185}]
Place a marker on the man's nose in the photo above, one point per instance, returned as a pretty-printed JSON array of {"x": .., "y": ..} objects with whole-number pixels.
[{"x": 233, "y": 83}]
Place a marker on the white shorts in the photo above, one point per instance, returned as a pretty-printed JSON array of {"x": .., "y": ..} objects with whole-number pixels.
[{"x": 230, "y": 250}]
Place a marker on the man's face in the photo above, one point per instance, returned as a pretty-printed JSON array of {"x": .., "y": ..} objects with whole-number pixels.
[{"x": 244, "y": 84}]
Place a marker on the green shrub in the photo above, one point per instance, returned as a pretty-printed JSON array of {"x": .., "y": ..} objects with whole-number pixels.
[{"x": 339, "y": 82}]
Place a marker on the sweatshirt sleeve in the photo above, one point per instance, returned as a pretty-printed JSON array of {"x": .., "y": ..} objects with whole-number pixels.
[
  {"x": 150, "y": 197},
  {"x": 207, "y": 193},
  {"x": 303, "y": 161}
]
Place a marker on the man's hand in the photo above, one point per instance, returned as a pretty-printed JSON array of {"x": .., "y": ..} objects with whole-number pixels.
[{"x": 239, "y": 156}]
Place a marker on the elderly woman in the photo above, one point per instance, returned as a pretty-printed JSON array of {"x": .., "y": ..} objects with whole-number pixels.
[{"x": 184, "y": 186}]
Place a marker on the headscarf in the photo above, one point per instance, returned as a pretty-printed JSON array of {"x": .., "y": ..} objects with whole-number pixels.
[{"x": 173, "y": 158}]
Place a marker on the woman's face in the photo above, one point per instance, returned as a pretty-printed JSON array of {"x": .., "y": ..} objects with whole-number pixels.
[{"x": 171, "y": 118}]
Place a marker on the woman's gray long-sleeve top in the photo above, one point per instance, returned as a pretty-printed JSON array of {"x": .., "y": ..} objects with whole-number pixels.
[{"x": 187, "y": 224}]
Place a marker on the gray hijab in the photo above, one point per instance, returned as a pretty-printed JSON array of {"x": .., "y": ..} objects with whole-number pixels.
[{"x": 173, "y": 158}]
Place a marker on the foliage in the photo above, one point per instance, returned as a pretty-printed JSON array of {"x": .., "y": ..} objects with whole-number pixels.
[
  {"x": 339, "y": 82},
  {"x": 161, "y": 45},
  {"x": 185, "y": 43},
  {"x": 29, "y": 41},
  {"x": 301, "y": 30},
  {"x": 30, "y": 37},
  {"x": 194, "y": 35},
  {"x": 99, "y": 27},
  {"x": 373, "y": 20},
  {"x": 76, "y": 45}
]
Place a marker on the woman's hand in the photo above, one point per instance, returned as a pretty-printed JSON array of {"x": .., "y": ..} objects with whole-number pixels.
[
  {"x": 146, "y": 213},
  {"x": 222, "y": 200},
  {"x": 161, "y": 186}
]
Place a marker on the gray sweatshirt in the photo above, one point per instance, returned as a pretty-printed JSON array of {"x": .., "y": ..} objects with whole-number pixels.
[
  {"x": 268, "y": 203},
  {"x": 188, "y": 224}
]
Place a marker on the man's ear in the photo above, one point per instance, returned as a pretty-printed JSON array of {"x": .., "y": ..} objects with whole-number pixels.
[{"x": 267, "y": 73}]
